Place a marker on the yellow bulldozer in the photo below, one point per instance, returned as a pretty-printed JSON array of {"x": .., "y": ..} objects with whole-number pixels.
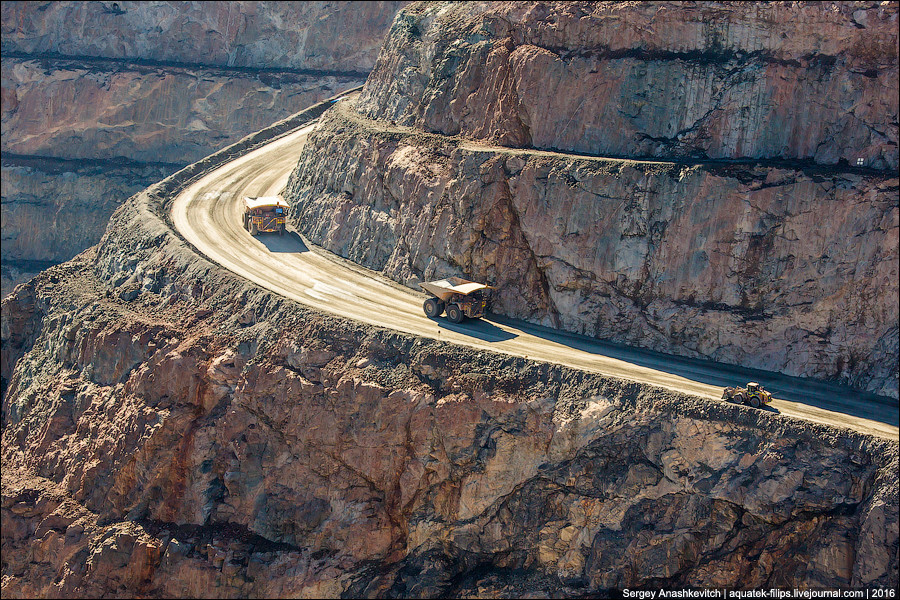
[{"x": 753, "y": 395}]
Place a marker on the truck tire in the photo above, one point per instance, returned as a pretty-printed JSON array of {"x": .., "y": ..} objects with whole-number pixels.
[
  {"x": 246, "y": 223},
  {"x": 281, "y": 229},
  {"x": 455, "y": 313},
  {"x": 253, "y": 228},
  {"x": 754, "y": 401},
  {"x": 740, "y": 398},
  {"x": 432, "y": 308}
]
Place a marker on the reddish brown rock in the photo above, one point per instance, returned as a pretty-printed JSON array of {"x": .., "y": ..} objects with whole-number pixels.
[
  {"x": 172, "y": 430},
  {"x": 763, "y": 233},
  {"x": 812, "y": 81},
  {"x": 149, "y": 115},
  {"x": 300, "y": 35}
]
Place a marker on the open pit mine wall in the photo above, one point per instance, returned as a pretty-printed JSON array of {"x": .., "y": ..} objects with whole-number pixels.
[
  {"x": 172, "y": 430},
  {"x": 102, "y": 99},
  {"x": 787, "y": 263},
  {"x": 813, "y": 81}
]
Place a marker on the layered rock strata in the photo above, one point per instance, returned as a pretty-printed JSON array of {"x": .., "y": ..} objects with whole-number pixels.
[
  {"x": 173, "y": 430},
  {"x": 82, "y": 136},
  {"x": 811, "y": 80},
  {"x": 102, "y": 109},
  {"x": 750, "y": 240},
  {"x": 318, "y": 36}
]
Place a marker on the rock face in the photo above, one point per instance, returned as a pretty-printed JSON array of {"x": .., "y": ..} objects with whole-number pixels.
[
  {"x": 156, "y": 86},
  {"x": 320, "y": 36},
  {"x": 172, "y": 430},
  {"x": 102, "y": 110},
  {"x": 775, "y": 80},
  {"x": 52, "y": 208},
  {"x": 777, "y": 258}
]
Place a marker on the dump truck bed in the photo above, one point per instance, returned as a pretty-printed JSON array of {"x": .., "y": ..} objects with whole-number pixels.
[
  {"x": 251, "y": 202},
  {"x": 445, "y": 288}
]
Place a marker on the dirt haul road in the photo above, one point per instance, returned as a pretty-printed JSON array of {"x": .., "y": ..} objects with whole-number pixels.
[{"x": 208, "y": 215}]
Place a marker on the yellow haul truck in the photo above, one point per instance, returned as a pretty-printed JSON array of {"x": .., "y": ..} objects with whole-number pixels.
[
  {"x": 459, "y": 297},
  {"x": 264, "y": 213}
]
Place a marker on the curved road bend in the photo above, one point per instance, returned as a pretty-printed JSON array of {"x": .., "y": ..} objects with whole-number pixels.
[{"x": 208, "y": 214}]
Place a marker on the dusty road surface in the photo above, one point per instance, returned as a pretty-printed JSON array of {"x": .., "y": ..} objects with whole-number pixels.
[{"x": 208, "y": 214}]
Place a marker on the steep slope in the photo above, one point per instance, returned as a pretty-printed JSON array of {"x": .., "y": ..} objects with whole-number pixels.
[
  {"x": 52, "y": 207},
  {"x": 760, "y": 252},
  {"x": 317, "y": 36}
]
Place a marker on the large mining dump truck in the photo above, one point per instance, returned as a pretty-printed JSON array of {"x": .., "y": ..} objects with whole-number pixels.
[
  {"x": 264, "y": 213},
  {"x": 460, "y": 297}
]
